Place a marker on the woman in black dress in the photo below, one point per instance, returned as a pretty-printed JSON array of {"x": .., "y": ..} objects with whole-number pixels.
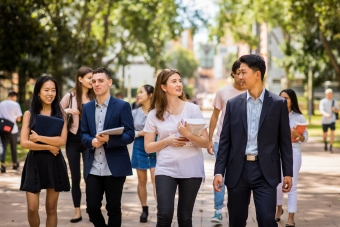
[{"x": 45, "y": 166}]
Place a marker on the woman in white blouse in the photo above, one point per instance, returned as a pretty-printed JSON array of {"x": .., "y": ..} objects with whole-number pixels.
[
  {"x": 177, "y": 165},
  {"x": 295, "y": 116}
]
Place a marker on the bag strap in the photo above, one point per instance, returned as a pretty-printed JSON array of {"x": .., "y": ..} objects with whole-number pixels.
[{"x": 70, "y": 101}]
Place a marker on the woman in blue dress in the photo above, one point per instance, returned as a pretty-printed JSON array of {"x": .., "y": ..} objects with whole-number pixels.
[{"x": 142, "y": 161}]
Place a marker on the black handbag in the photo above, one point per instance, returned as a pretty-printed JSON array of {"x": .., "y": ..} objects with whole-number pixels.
[
  {"x": 336, "y": 114},
  {"x": 69, "y": 116},
  {"x": 6, "y": 126}
]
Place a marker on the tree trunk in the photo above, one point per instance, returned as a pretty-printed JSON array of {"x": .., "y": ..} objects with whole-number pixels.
[
  {"x": 22, "y": 89},
  {"x": 22, "y": 79},
  {"x": 288, "y": 84},
  {"x": 330, "y": 54}
]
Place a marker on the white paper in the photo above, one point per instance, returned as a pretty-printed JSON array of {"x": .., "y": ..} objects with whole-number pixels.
[
  {"x": 196, "y": 126},
  {"x": 112, "y": 131}
]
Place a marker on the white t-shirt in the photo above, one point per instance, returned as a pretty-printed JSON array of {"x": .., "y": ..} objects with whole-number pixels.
[
  {"x": 176, "y": 162},
  {"x": 10, "y": 110},
  {"x": 326, "y": 106},
  {"x": 220, "y": 103}
]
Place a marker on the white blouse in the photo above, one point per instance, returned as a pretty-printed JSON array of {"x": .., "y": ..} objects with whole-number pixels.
[{"x": 176, "y": 162}]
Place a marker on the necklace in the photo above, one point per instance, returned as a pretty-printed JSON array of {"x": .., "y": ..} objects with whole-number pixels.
[{"x": 172, "y": 111}]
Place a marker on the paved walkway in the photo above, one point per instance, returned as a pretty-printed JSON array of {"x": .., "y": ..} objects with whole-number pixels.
[{"x": 319, "y": 197}]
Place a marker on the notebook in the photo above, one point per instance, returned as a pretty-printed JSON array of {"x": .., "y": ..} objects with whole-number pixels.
[
  {"x": 48, "y": 126},
  {"x": 300, "y": 129},
  {"x": 112, "y": 131}
]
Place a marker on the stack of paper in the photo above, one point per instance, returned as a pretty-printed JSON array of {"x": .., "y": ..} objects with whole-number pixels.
[{"x": 196, "y": 126}]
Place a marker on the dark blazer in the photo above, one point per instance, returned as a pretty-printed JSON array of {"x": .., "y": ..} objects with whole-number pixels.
[
  {"x": 118, "y": 115},
  {"x": 274, "y": 140}
]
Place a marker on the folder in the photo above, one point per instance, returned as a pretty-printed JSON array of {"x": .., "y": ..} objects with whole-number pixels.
[
  {"x": 112, "y": 131},
  {"x": 300, "y": 129},
  {"x": 48, "y": 126}
]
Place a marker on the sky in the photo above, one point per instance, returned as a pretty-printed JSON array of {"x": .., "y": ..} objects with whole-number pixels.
[{"x": 209, "y": 9}]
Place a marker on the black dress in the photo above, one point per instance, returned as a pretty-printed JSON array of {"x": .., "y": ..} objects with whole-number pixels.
[{"x": 43, "y": 170}]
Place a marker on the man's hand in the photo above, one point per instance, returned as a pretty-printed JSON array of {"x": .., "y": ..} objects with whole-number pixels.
[
  {"x": 217, "y": 183},
  {"x": 287, "y": 184},
  {"x": 96, "y": 143},
  {"x": 102, "y": 138},
  {"x": 211, "y": 147}
]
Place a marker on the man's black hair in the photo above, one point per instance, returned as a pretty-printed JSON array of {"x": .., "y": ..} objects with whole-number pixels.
[
  {"x": 12, "y": 94},
  {"x": 255, "y": 62},
  {"x": 235, "y": 67},
  {"x": 103, "y": 70}
]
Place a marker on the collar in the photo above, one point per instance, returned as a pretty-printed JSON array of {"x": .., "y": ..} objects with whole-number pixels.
[
  {"x": 106, "y": 103},
  {"x": 261, "y": 96}
]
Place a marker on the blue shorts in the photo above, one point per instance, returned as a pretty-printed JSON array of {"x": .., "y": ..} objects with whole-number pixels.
[{"x": 140, "y": 159}]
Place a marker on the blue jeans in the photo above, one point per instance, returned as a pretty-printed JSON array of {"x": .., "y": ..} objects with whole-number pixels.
[{"x": 218, "y": 196}]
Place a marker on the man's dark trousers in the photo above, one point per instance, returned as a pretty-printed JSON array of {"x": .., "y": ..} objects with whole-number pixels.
[
  {"x": 264, "y": 195},
  {"x": 113, "y": 188}
]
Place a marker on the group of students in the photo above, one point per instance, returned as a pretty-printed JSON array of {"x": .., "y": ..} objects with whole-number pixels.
[{"x": 153, "y": 126}]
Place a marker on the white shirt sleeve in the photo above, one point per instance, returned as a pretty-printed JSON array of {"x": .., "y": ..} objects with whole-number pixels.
[{"x": 18, "y": 111}]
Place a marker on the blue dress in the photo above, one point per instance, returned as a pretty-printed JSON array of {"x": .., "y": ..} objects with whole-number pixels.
[{"x": 140, "y": 159}]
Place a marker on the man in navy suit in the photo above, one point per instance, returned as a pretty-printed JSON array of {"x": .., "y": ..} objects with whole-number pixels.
[
  {"x": 255, "y": 139},
  {"x": 109, "y": 161}
]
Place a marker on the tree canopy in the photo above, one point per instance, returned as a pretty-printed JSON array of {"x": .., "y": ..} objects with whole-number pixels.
[
  {"x": 310, "y": 28},
  {"x": 59, "y": 36},
  {"x": 183, "y": 60}
]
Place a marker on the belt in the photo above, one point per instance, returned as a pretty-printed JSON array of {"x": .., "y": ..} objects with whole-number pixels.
[{"x": 251, "y": 158}]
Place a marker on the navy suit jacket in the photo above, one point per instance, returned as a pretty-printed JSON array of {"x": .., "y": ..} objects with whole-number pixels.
[
  {"x": 118, "y": 115},
  {"x": 273, "y": 140}
]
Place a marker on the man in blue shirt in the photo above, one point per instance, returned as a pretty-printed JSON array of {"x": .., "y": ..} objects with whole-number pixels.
[{"x": 255, "y": 139}]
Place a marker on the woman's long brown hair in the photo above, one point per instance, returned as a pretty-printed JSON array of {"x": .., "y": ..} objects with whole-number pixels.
[
  {"x": 159, "y": 100},
  {"x": 78, "y": 90}
]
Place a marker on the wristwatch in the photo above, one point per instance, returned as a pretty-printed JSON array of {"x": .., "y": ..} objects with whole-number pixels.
[{"x": 297, "y": 138}]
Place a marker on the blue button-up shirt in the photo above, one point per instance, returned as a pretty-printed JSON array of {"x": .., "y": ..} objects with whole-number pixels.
[
  {"x": 254, "y": 108},
  {"x": 99, "y": 164}
]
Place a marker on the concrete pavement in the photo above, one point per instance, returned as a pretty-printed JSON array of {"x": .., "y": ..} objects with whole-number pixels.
[{"x": 318, "y": 205}]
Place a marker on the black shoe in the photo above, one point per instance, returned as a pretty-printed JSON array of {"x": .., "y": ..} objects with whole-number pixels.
[
  {"x": 325, "y": 146},
  {"x": 75, "y": 220},
  {"x": 331, "y": 148},
  {"x": 278, "y": 219},
  {"x": 15, "y": 167},
  {"x": 290, "y": 225},
  {"x": 3, "y": 169},
  {"x": 144, "y": 216}
]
